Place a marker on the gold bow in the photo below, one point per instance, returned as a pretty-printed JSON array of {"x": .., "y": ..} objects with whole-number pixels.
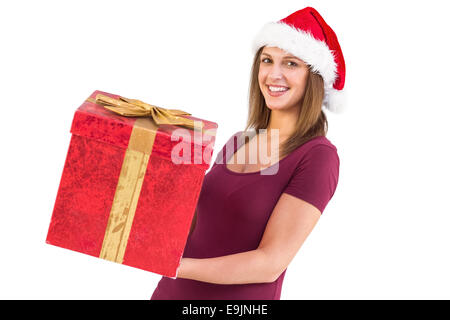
[{"x": 136, "y": 108}]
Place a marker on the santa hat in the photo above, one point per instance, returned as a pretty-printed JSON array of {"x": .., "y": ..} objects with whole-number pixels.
[{"x": 306, "y": 35}]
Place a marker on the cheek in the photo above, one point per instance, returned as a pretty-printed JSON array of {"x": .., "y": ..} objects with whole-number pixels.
[
  {"x": 261, "y": 81},
  {"x": 298, "y": 81},
  {"x": 261, "y": 77}
]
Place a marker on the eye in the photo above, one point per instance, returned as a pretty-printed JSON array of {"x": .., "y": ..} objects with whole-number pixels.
[
  {"x": 293, "y": 64},
  {"x": 265, "y": 59}
]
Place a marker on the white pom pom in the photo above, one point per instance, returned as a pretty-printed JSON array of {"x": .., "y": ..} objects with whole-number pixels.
[{"x": 335, "y": 100}]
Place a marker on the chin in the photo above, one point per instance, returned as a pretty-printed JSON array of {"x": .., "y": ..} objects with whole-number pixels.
[{"x": 276, "y": 105}]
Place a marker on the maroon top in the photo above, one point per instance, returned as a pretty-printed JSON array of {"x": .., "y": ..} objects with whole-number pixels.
[{"x": 233, "y": 210}]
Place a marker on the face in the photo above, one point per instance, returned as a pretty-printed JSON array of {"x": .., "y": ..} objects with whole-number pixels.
[{"x": 282, "y": 78}]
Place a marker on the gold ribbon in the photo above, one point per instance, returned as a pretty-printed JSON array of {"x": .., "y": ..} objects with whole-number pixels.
[
  {"x": 136, "y": 108},
  {"x": 128, "y": 190}
]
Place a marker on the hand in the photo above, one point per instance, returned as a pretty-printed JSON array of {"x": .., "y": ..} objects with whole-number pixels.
[{"x": 178, "y": 269}]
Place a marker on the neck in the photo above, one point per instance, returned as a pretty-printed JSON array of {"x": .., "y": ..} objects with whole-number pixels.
[{"x": 282, "y": 121}]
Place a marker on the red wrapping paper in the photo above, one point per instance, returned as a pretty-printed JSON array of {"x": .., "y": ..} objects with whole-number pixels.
[{"x": 166, "y": 203}]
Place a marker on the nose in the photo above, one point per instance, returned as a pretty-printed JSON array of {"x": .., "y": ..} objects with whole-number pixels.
[{"x": 275, "y": 72}]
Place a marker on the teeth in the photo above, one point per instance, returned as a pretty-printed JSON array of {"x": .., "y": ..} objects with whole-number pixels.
[{"x": 278, "y": 89}]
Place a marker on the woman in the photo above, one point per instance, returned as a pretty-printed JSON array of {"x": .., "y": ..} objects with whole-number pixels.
[{"x": 252, "y": 218}]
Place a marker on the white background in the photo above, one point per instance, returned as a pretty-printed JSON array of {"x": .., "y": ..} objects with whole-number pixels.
[{"x": 384, "y": 235}]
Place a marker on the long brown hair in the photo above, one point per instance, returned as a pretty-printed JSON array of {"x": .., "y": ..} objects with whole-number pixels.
[{"x": 311, "y": 122}]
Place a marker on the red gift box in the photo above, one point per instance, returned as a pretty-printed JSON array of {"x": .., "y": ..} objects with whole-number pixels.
[{"x": 130, "y": 187}]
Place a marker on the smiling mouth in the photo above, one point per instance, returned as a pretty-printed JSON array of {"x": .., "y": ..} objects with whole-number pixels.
[{"x": 277, "y": 90}]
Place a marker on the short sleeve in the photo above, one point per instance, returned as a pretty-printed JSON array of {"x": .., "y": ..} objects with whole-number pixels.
[{"x": 316, "y": 176}]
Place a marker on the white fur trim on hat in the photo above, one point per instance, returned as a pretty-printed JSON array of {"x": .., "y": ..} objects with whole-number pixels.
[
  {"x": 335, "y": 100},
  {"x": 302, "y": 44}
]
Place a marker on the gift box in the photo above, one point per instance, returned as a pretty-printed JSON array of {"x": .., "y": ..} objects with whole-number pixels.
[{"x": 131, "y": 182}]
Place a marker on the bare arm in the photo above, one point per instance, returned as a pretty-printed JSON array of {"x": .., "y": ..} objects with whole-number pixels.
[
  {"x": 288, "y": 227},
  {"x": 239, "y": 268}
]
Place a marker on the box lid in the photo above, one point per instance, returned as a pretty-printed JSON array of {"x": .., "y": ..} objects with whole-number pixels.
[{"x": 177, "y": 143}]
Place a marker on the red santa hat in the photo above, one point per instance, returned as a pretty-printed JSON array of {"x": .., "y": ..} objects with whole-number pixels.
[{"x": 306, "y": 35}]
